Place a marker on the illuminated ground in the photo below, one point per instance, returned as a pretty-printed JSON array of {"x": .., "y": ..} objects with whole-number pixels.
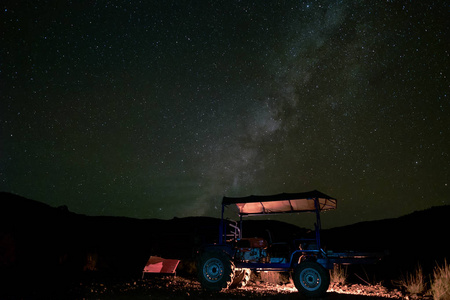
[{"x": 168, "y": 287}]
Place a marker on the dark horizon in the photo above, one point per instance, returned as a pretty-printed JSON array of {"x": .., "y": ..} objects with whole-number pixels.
[
  {"x": 159, "y": 109},
  {"x": 303, "y": 220}
]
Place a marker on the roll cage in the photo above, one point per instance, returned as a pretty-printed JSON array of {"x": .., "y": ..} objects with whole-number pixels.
[{"x": 284, "y": 203}]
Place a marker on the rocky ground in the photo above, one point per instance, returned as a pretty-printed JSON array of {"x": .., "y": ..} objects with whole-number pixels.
[{"x": 170, "y": 287}]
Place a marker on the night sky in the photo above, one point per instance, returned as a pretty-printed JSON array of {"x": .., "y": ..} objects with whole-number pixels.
[{"x": 157, "y": 109}]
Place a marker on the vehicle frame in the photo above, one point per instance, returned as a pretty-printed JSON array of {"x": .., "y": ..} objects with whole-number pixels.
[{"x": 218, "y": 263}]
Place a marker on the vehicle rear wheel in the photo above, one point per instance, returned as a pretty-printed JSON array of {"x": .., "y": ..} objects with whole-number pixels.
[
  {"x": 215, "y": 271},
  {"x": 311, "y": 279}
]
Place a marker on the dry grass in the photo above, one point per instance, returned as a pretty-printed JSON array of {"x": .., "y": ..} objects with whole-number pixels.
[
  {"x": 338, "y": 275},
  {"x": 440, "y": 286},
  {"x": 414, "y": 283}
]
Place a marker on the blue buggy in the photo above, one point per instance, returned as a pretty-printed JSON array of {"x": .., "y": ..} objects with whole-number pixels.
[{"x": 230, "y": 261}]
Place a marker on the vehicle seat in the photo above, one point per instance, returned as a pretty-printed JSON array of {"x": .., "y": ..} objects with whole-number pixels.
[{"x": 254, "y": 242}]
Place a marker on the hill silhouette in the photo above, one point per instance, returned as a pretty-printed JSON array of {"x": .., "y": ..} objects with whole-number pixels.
[{"x": 419, "y": 238}]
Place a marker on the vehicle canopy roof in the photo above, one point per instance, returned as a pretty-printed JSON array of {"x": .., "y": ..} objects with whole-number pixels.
[{"x": 282, "y": 203}]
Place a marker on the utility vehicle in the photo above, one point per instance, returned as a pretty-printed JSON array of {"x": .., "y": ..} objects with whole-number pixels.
[{"x": 230, "y": 261}]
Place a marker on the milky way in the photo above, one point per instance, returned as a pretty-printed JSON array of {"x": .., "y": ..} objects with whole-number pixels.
[{"x": 159, "y": 109}]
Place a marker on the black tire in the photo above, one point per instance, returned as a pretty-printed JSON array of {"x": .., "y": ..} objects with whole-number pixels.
[
  {"x": 311, "y": 279},
  {"x": 215, "y": 271},
  {"x": 241, "y": 278}
]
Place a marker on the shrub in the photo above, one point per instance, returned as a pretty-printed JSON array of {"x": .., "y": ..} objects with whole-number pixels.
[
  {"x": 414, "y": 283},
  {"x": 338, "y": 275},
  {"x": 440, "y": 286}
]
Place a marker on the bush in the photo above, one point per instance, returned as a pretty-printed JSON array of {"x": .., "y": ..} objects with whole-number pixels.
[
  {"x": 338, "y": 275},
  {"x": 440, "y": 286},
  {"x": 414, "y": 283}
]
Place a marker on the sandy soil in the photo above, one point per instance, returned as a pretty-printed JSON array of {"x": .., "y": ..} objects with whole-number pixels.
[{"x": 169, "y": 287}]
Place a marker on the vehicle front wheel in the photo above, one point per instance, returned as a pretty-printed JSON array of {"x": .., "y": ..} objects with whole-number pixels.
[
  {"x": 215, "y": 271},
  {"x": 311, "y": 279}
]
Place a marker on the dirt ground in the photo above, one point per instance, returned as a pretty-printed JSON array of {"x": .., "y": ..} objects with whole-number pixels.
[{"x": 174, "y": 288}]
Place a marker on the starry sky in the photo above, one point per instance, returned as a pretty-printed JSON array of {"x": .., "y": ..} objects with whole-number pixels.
[{"x": 157, "y": 109}]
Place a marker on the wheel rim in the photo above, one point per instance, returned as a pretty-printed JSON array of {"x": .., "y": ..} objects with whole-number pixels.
[
  {"x": 213, "y": 270},
  {"x": 310, "y": 279}
]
